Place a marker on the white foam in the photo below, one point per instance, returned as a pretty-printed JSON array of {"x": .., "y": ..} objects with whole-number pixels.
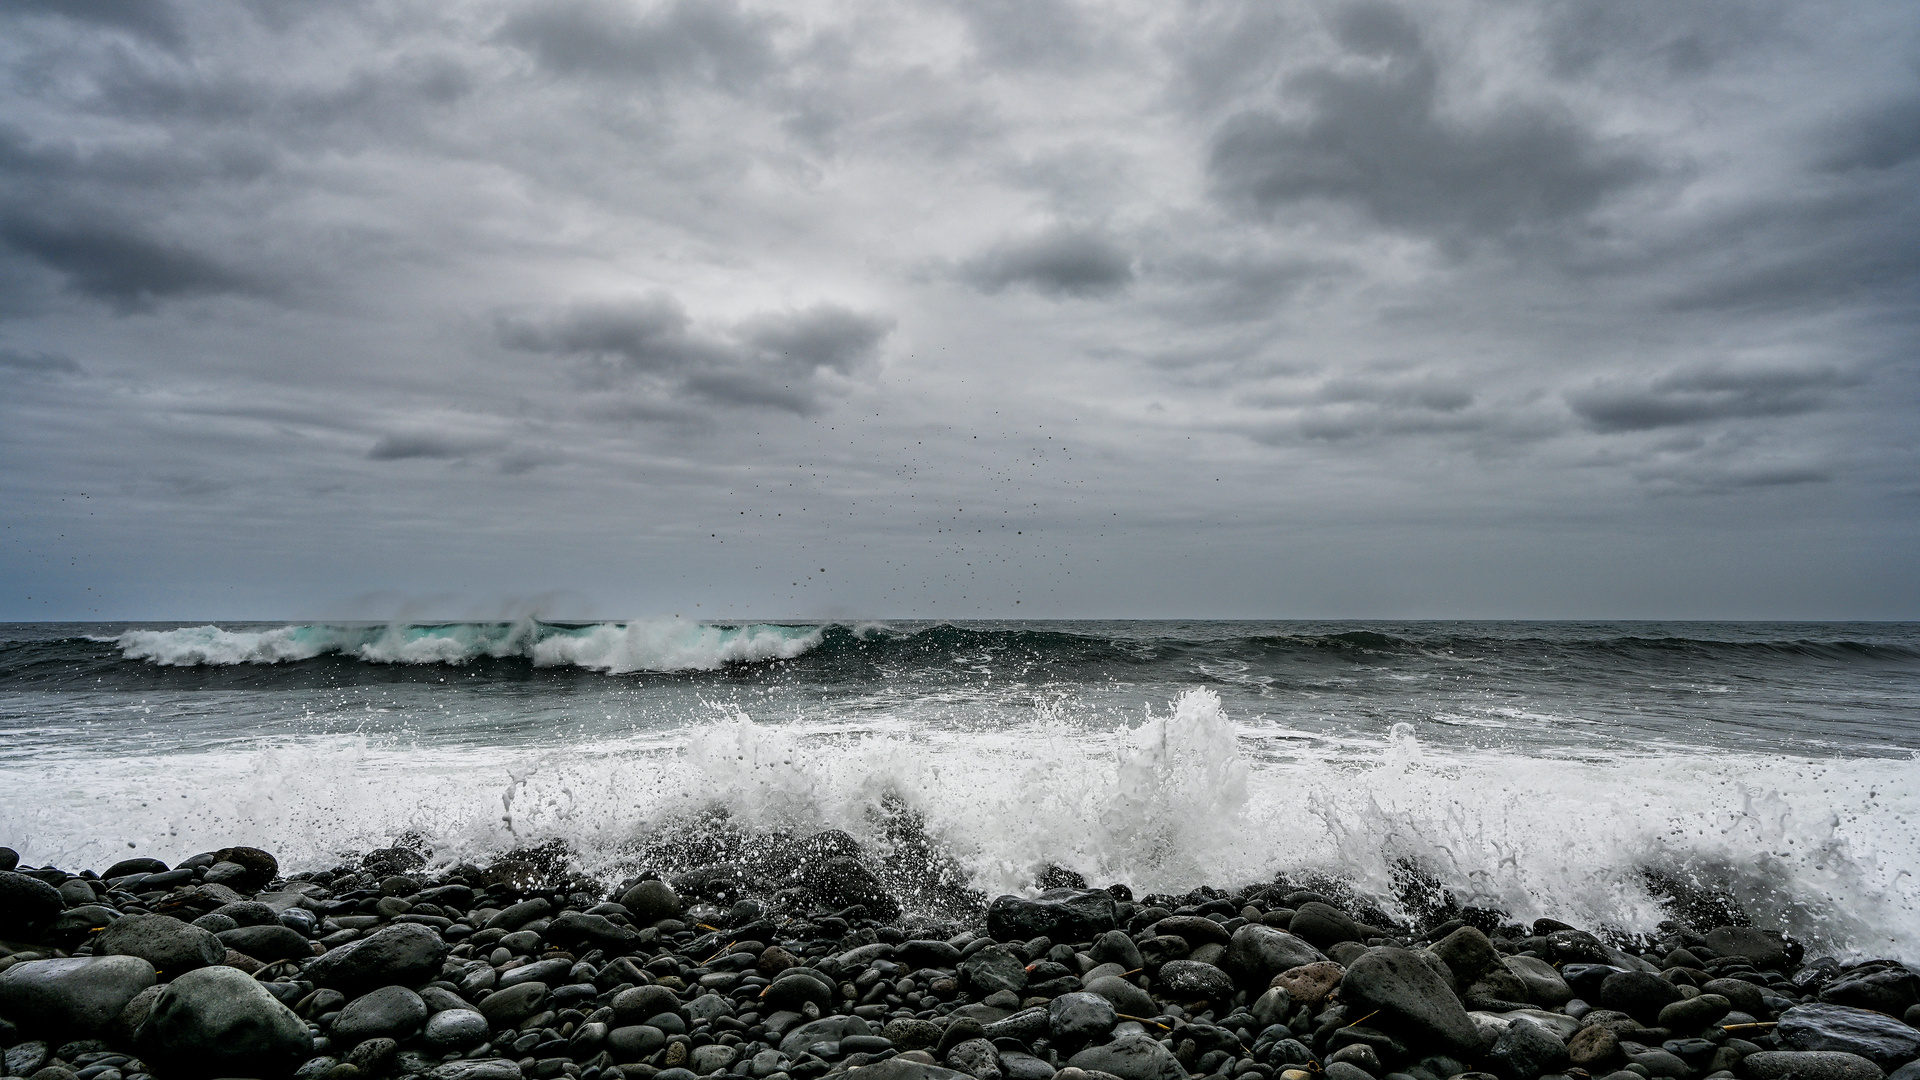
[
  {"x": 657, "y": 645},
  {"x": 1825, "y": 849}
]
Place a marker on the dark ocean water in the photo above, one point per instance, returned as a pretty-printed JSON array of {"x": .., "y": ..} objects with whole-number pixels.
[{"x": 1541, "y": 766}]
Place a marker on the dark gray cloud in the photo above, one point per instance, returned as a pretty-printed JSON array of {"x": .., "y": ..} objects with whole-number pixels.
[
  {"x": 1062, "y": 261},
  {"x": 1703, "y": 395},
  {"x": 1375, "y": 136},
  {"x": 154, "y": 19},
  {"x": 1028, "y": 33},
  {"x": 718, "y": 42},
  {"x": 119, "y": 265},
  {"x": 38, "y": 363},
  {"x": 773, "y": 360},
  {"x": 1883, "y": 136},
  {"x": 432, "y": 444}
]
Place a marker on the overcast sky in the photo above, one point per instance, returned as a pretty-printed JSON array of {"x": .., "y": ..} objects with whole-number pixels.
[{"x": 619, "y": 308}]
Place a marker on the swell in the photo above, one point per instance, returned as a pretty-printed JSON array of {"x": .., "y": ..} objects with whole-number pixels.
[{"x": 323, "y": 655}]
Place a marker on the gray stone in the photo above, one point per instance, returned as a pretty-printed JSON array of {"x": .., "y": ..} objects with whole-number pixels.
[
  {"x": 515, "y": 916},
  {"x": 27, "y": 1058},
  {"x": 795, "y": 988},
  {"x": 1323, "y": 925},
  {"x": 1310, "y": 985},
  {"x": 171, "y": 946},
  {"x": 1191, "y": 980},
  {"x": 896, "y": 1069},
  {"x": 1543, "y": 984},
  {"x": 1131, "y": 1057},
  {"x": 652, "y": 900},
  {"x": 1410, "y": 996},
  {"x": 267, "y": 943},
  {"x": 405, "y": 954},
  {"x": 1808, "y": 1065},
  {"x": 391, "y": 1012},
  {"x": 1271, "y": 1007},
  {"x": 1764, "y": 949},
  {"x": 634, "y": 1041},
  {"x": 1468, "y": 954},
  {"x": 1691, "y": 1014},
  {"x": 707, "y": 1060},
  {"x": 477, "y": 1069},
  {"x": 1526, "y": 1050},
  {"x": 1018, "y": 1066},
  {"x": 78, "y": 997},
  {"x": 1346, "y": 1070},
  {"x": 976, "y": 1058},
  {"x": 634, "y": 1005},
  {"x": 1116, "y": 947},
  {"x": 1891, "y": 990},
  {"x": 455, "y": 1029},
  {"x": 995, "y": 968},
  {"x": 1126, "y": 997},
  {"x": 1877, "y": 1037},
  {"x": 1256, "y": 953},
  {"x": 910, "y": 1033},
  {"x": 1064, "y": 915},
  {"x": 828, "y": 1029},
  {"x": 1744, "y": 996},
  {"x": 28, "y": 906},
  {"x": 1073, "y": 1019},
  {"x": 1025, "y": 1025},
  {"x": 552, "y": 972},
  {"x": 590, "y": 931},
  {"x": 1639, "y": 994},
  {"x": 218, "y": 1021},
  {"x": 506, "y": 1008}
]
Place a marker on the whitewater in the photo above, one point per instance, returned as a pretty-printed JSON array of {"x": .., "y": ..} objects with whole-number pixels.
[{"x": 1548, "y": 769}]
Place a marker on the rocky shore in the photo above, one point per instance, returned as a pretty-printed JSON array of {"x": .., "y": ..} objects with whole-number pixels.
[{"x": 525, "y": 970}]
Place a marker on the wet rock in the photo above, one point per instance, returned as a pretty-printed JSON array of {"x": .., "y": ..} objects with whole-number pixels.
[
  {"x": 1323, "y": 925},
  {"x": 171, "y": 946},
  {"x": 1543, "y": 985},
  {"x": 995, "y": 968},
  {"x": 1764, "y": 949},
  {"x": 79, "y": 997},
  {"x": 1692, "y": 1014},
  {"x": 1059, "y": 914},
  {"x": 455, "y": 1029},
  {"x": 1594, "y": 1049},
  {"x": 843, "y": 881},
  {"x": 1125, "y": 996},
  {"x": 405, "y": 954},
  {"x": 796, "y": 988},
  {"x": 1131, "y": 1057},
  {"x": 1073, "y": 1019},
  {"x": 652, "y": 900},
  {"x": 1196, "y": 929},
  {"x": 477, "y": 1069},
  {"x": 1310, "y": 985},
  {"x": 391, "y": 1012},
  {"x": 1808, "y": 1065},
  {"x": 911, "y": 1033},
  {"x": 217, "y": 1021},
  {"x": 1875, "y": 1036},
  {"x": 1411, "y": 997},
  {"x": 267, "y": 943},
  {"x": 634, "y": 1042},
  {"x": 1256, "y": 953},
  {"x": 136, "y": 865},
  {"x": 253, "y": 869},
  {"x": 28, "y": 906},
  {"x": 506, "y": 1008},
  {"x": 896, "y": 1069},
  {"x": 27, "y": 1058},
  {"x": 1468, "y": 954},
  {"x": 1891, "y": 990},
  {"x": 515, "y": 916},
  {"x": 1526, "y": 1050},
  {"x": 1638, "y": 994},
  {"x": 830, "y": 1029},
  {"x": 1190, "y": 980},
  {"x": 976, "y": 1058},
  {"x": 1116, "y": 947}
]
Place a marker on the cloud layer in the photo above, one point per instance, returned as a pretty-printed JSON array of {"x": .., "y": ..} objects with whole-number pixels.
[{"x": 1345, "y": 308}]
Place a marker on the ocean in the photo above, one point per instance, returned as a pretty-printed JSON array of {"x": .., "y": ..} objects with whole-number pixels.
[{"x": 1590, "y": 772}]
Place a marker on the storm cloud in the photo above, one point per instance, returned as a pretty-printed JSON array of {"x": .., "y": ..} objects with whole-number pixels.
[{"x": 1228, "y": 308}]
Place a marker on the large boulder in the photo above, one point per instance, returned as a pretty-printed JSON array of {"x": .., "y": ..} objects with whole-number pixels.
[
  {"x": 1256, "y": 953},
  {"x": 1131, "y": 1057},
  {"x": 405, "y": 954},
  {"x": 1063, "y": 915},
  {"x": 218, "y": 1021},
  {"x": 1875, "y": 1036},
  {"x": 1766, "y": 950},
  {"x": 77, "y": 997},
  {"x": 28, "y": 906},
  {"x": 1891, "y": 989},
  {"x": 1410, "y": 996},
  {"x": 171, "y": 946}
]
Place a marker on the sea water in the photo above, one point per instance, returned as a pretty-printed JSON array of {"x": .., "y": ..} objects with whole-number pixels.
[{"x": 1548, "y": 769}]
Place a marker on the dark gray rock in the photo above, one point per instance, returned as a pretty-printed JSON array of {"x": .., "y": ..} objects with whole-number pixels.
[
  {"x": 1808, "y": 1065},
  {"x": 1323, "y": 925},
  {"x": 1594, "y": 1048},
  {"x": 910, "y": 1033},
  {"x": 1025, "y": 1026},
  {"x": 136, "y": 865},
  {"x": 1310, "y": 985},
  {"x": 795, "y": 988},
  {"x": 1346, "y": 1070},
  {"x": 28, "y": 906},
  {"x": 1764, "y": 949},
  {"x": 995, "y": 968},
  {"x": 456, "y": 1029},
  {"x": 591, "y": 931},
  {"x": 1638, "y": 994},
  {"x": 1543, "y": 984},
  {"x": 1131, "y": 1057},
  {"x": 391, "y": 1012},
  {"x": 477, "y": 1069},
  {"x": 1115, "y": 947},
  {"x": 27, "y": 1058},
  {"x": 1271, "y": 1007},
  {"x": 404, "y": 954},
  {"x": 218, "y": 1021},
  {"x": 171, "y": 946},
  {"x": 1073, "y": 1019},
  {"x": 828, "y": 1029},
  {"x": 1891, "y": 990},
  {"x": 1256, "y": 953},
  {"x": 634, "y": 1041},
  {"x": 1197, "y": 929},
  {"x": 552, "y": 972},
  {"x": 1468, "y": 954},
  {"x": 78, "y": 997},
  {"x": 1126, "y": 997},
  {"x": 1191, "y": 980},
  {"x": 1875, "y": 1036},
  {"x": 506, "y": 1008},
  {"x": 977, "y": 1058},
  {"x": 1689, "y": 1015},
  {"x": 652, "y": 900},
  {"x": 843, "y": 881},
  {"x": 895, "y": 1069},
  {"x": 1064, "y": 915},
  {"x": 267, "y": 943},
  {"x": 515, "y": 916},
  {"x": 1411, "y": 997},
  {"x": 1526, "y": 1050}
]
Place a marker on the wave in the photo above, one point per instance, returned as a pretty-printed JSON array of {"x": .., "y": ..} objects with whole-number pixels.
[{"x": 1822, "y": 849}]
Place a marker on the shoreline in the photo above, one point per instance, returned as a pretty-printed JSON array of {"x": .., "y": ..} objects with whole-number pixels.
[{"x": 523, "y": 968}]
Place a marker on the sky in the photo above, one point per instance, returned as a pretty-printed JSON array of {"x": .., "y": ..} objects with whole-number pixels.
[{"x": 959, "y": 308}]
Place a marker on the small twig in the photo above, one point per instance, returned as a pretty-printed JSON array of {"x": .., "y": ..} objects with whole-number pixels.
[
  {"x": 718, "y": 955},
  {"x": 1144, "y": 1020},
  {"x": 1749, "y": 1027},
  {"x": 1365, "y": 1018}
]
